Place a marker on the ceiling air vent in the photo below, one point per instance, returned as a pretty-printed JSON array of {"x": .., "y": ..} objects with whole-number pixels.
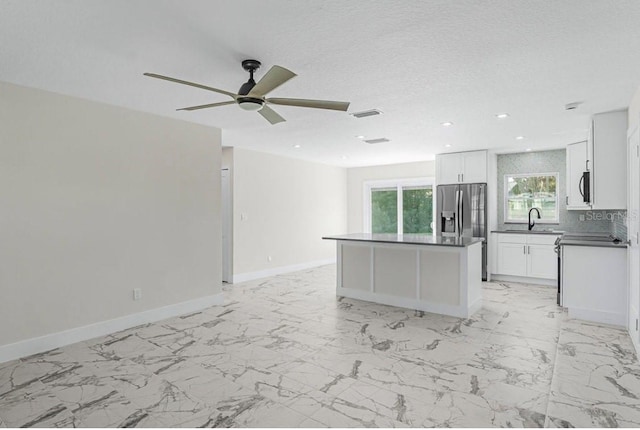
[
  {"x": 379, "y": 140},
  {"x": 572, "y": 106},
  {"x": 366, "y": 113}
]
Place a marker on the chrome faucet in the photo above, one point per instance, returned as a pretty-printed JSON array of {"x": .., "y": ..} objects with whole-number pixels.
[{"x": 531, "y": 224}]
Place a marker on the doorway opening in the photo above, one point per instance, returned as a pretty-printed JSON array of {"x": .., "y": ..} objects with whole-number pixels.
[{"x": 227, "y": 227}]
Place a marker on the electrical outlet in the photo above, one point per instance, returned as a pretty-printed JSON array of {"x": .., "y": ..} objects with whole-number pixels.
[
  {"x": 581, "y": 217},
  {"x": 137, "y": 293},
  {"x": 269, "y": 258}
]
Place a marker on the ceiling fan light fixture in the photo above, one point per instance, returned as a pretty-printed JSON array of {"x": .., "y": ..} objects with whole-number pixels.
[{"x": 250, "y": 103}]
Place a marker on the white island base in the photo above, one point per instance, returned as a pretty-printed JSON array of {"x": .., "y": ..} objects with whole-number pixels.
[{"x": 432, "y": 277}]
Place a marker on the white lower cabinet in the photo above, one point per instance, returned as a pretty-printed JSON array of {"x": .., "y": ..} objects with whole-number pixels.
[
  {"x": 543, "y": 261},
  {"x": 512, "y": 259},
  {"x": 594, "y": 283},
  {"x": 527, "y": 255}
]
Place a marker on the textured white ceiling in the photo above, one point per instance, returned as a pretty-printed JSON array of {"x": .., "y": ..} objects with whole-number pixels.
[{"x": 421, "y": 62}]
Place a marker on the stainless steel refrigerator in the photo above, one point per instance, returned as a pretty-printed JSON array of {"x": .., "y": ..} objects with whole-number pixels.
[{"x": 461, "y": 210}]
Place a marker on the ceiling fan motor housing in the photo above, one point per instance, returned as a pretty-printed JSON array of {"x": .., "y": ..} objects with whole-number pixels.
[
  {"x": 249, "y": 103},
  {"x": 246, "y": 87}
]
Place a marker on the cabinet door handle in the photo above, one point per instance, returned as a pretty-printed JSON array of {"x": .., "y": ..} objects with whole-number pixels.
[
  {"x": 461, "y": 177},
  {"x": 524, "y": 249}
]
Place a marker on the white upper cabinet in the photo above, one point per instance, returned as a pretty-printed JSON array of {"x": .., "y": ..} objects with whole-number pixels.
[
  {"x": 609, "y": 143},
  {"x": 448, "y": 168},
  {"x": 603, "y": 156},
  {"x": 461, "y": 168},
  {"x": 474, "y": 166}
]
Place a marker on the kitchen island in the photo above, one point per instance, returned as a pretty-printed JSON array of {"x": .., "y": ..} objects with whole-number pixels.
[{"x": 424, "y": 272}]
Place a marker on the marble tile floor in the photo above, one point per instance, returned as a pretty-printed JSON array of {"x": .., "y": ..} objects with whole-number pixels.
[{"x": 285, "y": 352}]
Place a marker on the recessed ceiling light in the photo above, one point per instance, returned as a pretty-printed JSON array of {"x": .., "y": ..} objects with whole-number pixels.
[
  {"x": 502, "y": 115},
  {"x": 519, "y": 137},
  {"x": 344, "y": 157},
  {"x": 446, "y": 124},
  {"x": 360, "y": 136},
  {"x": 296, "y": 146},
  {"x": 528, "y": 149},
  {"x": 448, "y": 145}
]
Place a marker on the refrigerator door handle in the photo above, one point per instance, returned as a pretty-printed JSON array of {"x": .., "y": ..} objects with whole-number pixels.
[
  {"x": 457, "y": 214},
  {"x": 460, "y": 214}
]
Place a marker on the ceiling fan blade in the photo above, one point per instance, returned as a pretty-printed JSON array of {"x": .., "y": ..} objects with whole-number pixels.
[
  {"x": 192, "y": 84},
  {"x": 275, "y": 77},
  {"x": 317, "y": 104},
  {"x": 270, "y": 115},
  {"x": 210, "y": 105}
]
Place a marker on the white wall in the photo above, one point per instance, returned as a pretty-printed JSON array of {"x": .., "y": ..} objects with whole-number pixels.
[
  {"x": 281, "y": 208},
  {"x": 634, "y": 110},
  {"x": 96, "y": 200},
  {"x": 227, "y": 163},
  {"x": 357, "y": 176},
  {"x": 633, "y": 224},
  {"x": 227, "y": 157},
  {"x": 492, "y": 211}
]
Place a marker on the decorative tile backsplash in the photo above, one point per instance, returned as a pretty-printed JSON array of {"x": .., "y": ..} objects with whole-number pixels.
[{"x": 575, "y": 221}]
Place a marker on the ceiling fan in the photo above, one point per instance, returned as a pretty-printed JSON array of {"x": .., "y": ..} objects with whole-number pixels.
[{"x": 251, "y": 95}]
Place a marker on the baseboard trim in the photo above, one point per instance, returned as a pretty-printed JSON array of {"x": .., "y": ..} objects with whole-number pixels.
[
  {"x": 523, "y": 280},
  {"x": 410, "y": 303},
  {"x": 251, "y": 276},
  {"x": 631, "y": 328},
  {"x": 51, "y": 341},
  {"x": 636, "y": 346},
  {"x": 598, "y": 316}
]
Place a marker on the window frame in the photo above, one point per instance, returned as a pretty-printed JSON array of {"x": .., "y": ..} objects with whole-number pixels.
[
  {"x": 505, "y": 203},
  {"x": 398, "y": 184}
]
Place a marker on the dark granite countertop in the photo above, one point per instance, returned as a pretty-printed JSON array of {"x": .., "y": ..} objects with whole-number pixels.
[
  {"x": 515, "y": 231},
  {"x": 602, "y": 240},
  {"x": 409, "y": 239},
  {"x": 593, "y": 243},
  {"x": 574, "y": 238}
]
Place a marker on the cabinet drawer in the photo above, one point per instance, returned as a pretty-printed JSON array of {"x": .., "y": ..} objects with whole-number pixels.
[
  {"x": 512, "y": 238},
  {"x": 542, "y": 239}
]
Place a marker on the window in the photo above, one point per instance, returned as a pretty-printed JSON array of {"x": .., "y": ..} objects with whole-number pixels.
[
  {"x": 384, "y": 210},
  {"x": 523, "y": 192},
  {"x": 399, "y": 206}
]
